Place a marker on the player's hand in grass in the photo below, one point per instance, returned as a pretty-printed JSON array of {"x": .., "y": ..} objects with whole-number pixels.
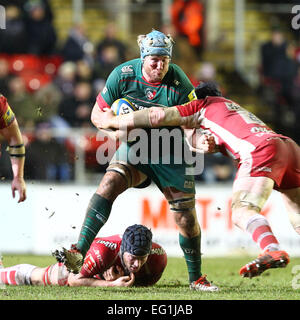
[
  {"x": 113, "y": 273},
  {"x": 125, "y": 281}
]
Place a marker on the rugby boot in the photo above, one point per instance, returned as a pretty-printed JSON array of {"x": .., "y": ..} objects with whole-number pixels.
[
  {"x": 202, "y": 284},
  {"x": 265, "y": 261},
  {"x": 71, "y": 258}
]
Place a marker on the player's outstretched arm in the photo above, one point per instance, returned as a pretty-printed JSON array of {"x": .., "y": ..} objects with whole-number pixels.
[
  {"x": 16, "y": 150},
  {"x": 146, "y": 118}
]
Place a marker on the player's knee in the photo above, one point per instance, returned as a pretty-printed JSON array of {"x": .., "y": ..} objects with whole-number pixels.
[
  {"x": 187, "y": 224},
  {"x": 240, "y": 209},
  {"x": 185, "y": 215},
  {"x": 112, "y": 185},
  {"x": 184, "y": 220},
  {"x": 156, "y": 115}
]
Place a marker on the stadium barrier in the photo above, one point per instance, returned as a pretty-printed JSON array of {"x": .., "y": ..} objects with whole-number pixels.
[{"x": 52, "y": 215}]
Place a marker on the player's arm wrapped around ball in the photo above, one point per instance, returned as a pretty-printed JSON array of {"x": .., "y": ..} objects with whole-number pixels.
[{"x": 146, "y": 118}]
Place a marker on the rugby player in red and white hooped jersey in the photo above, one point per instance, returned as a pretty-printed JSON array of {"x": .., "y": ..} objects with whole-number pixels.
[
  {"x": 266, "y": 161},
  {"x": 115, "y": 261},
  {"x": 9, "y": 130}
]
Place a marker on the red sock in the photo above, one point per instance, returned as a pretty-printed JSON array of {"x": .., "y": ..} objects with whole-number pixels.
[{"x": 258, "y": 226}]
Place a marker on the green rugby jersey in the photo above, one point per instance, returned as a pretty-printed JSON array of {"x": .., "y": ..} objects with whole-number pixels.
[{"x": 126, "y": 81}]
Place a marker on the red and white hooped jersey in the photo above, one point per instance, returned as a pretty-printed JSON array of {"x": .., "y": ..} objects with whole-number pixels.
[
  {"x": 104, "y": 253},
  {"x": 237, "y": 131}
]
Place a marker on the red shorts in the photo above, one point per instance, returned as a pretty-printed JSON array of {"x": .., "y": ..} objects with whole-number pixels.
[{"x": 277, "y": 158}]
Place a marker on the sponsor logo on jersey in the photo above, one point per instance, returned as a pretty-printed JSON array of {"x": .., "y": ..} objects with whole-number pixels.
[
  {"x": 188, "y": 184},
  {"x": 127, "y": 69},
  {"x": 89, "y": 264},
  {"x": 108, "y": 244},
  {"x": 192, "y": 95},
  {"x": 99, "y": 257},
  {"x": 266, "y": 169},
  {"x": 9, "y": 116},
  {"x": 261, "y": 130},
  {"x": 104, "y": 90},
  {"x": 158, "y": 251},
  {"x": 232, "y": 106},
  {"x": 150, "y": 93}
]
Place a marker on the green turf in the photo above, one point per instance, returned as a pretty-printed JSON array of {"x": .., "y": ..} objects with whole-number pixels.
[{"x": 275, "y": 284}]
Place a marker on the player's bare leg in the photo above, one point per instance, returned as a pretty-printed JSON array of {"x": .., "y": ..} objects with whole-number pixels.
[
  {"x": 182, "y": 206},
  {"x": 249, "y": 196},
  {"x": 291, "y": 198}
]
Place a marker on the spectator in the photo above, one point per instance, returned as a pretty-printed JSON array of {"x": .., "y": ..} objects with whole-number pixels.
[
  {"x": 13, "y": 39},
  {"x": 47, "y": 99},
  {"x": 274, "y": 57},
  {"x": 48, "y": 158},
  {"x": 84, "y": 72},
  {"x": 41, "y": 33},
  {"x": 205, "y": 72},
  {"x": 278, "y": 70},
  {"x": 78, "y": 46},
  {"x": 108, "y": 61},
  {"x": 76, "y": 110},
  {"x": 110, "y": 52},
  {"x": 187, "y": 17},
  {"x": 66, "y": 78},
  {"x": 25, "y": 107},
  {"x": 110, "y": 40}
]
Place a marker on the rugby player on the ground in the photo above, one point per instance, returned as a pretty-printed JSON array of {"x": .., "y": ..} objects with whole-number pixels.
[{"x": 115, "y": 261}]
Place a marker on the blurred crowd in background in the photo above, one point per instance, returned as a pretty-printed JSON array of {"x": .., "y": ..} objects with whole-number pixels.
[{"x": 51, "y": 86}]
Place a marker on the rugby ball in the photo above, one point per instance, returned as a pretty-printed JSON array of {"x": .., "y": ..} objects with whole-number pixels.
[{"x": 122, "y": 106}]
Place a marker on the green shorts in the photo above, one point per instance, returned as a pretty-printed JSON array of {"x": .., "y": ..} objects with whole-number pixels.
[{"x": 163, "y": 175}]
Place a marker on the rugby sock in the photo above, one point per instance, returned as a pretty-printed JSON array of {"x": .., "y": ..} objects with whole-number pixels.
[
  {"x": 96, "y": 216},
  {"x": 261, "y": 232},
  {"x": 18, "y": 275},
  {"x": 192, "y": 255},
  {"x": 56, "y": 274}
]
